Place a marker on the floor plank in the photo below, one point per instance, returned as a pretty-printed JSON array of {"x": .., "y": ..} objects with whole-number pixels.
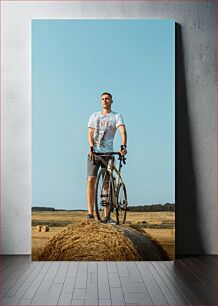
[
  {"x": 49, "y": 276},
  {"x": 13, "y": 271},
  {"x": 14, "y": 300},
  {"x": 179, "y": 291},
  {"x": 202, "y": 288},
  {"x": 50, "y": 297},
  {"x": 206, "y": 271},
  {"x": 117, "y": 296},
  {"x": 29, "y": 275},
  {"x": 65, "y": 299},
  {"x": 5, "y": 262},
  {"x": 164, "y": 286},
  {"x": 103, "y": 282},
  {"x": 154, "y": 290},
  {"x": 180, "y": 284}
]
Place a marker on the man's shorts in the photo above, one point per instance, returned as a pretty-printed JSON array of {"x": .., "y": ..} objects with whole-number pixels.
[{"x": 93, "y": 165}]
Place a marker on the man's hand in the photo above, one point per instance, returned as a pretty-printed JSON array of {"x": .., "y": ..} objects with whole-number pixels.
[
  {"x": 123, "y": 150},
  {"x": 91, "y": 152}
]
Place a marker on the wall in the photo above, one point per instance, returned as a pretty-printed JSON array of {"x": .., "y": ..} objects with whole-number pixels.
[{"x": 196, "y": 202}]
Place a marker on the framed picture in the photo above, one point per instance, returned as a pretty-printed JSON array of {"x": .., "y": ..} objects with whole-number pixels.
[{"x": 103, "y": 86}]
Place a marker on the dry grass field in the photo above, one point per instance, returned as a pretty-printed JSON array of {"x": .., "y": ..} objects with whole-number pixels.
[{"x": 159, "y": 225}]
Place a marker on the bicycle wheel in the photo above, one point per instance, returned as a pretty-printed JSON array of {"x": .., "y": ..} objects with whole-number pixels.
[
  {"x": 103, "y": 194},
  {"x": 121, "y": 209}
]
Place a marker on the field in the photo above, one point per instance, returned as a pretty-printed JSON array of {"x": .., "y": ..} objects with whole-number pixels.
[{"x": 159, "y": 225}]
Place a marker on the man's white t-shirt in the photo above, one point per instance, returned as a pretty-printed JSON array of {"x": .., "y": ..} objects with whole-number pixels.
[{"x": 105, "y": 128}]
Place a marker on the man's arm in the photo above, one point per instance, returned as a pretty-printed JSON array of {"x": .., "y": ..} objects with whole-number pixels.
[
  {"x": 90, "y": 139},
  {"x": 90, "y": 136},
  {"x": 123, "y": 135}
]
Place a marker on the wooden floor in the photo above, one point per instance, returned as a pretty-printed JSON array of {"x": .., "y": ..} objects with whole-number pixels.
[{"x": 187, "y": 281}]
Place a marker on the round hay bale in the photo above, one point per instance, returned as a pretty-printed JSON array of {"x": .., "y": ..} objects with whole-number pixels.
[
  {"x": 147, "y": 248},
  {"x": 45, "y": 228},
  {"x": 38, "y": 228},
  {"x": 89, "y": 241}
]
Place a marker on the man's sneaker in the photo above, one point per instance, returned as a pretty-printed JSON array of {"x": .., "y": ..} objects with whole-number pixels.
[
  {"x": 90, "y": 217},
  {"x": 109, "y": 220}
]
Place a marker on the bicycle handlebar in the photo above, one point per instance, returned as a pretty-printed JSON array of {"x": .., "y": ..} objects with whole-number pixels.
[
  {"x": 107, "y": 153},
  {"x": 121, "y": 157}
]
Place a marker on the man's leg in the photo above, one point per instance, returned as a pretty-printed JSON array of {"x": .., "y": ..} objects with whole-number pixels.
[
  {"x": 92, "y": 170},
  {"x": 91, "y": 194}
]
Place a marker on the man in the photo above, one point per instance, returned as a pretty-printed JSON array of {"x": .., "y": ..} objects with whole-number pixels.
[{"x": 102, "y": 127}]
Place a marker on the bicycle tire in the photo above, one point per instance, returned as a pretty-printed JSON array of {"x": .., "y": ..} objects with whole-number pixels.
[
  {"x": 121, "y": 209},
  {"x": 103, "y": 201}
]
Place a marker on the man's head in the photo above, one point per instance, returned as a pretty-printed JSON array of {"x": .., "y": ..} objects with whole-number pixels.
[{"x": 106, "y": 99}]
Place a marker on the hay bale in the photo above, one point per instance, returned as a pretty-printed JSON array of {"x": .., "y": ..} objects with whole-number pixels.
[
  {"x": 88, "y": 241},
  {"x": 45, "y": 228},
  {"x": 38, "y": 228},
  {"x": 94, "y": 241}
]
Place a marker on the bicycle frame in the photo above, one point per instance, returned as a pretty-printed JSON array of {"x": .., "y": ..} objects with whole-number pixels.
[{"x": 111, "y": 167}]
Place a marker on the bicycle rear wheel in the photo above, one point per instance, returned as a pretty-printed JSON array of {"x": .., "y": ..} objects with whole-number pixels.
[
  {"x": 121, "y": 209},
  {"x": 103, "y": 194}
]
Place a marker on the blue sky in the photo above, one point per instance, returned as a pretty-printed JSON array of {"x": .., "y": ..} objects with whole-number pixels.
[{"x": 73, "y": 62}]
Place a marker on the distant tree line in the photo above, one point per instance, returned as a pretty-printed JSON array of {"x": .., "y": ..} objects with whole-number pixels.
[
  {"x": 39, "y": 208},
  {"x": 153, "y": 207},
  {"x": 138, "y": 208}
]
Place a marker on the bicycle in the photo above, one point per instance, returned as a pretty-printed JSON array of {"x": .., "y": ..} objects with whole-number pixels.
[{"x": 110, "y": 190}]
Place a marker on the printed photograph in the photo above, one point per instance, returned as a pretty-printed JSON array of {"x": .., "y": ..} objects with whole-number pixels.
[{"x": 103, "y": 140}]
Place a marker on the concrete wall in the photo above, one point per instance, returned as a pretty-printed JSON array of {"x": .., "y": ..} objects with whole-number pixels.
[{"x": 195, "y": 113}]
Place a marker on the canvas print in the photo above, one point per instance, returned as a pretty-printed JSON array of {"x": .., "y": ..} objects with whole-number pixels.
[{"x": 103, "y": 140}]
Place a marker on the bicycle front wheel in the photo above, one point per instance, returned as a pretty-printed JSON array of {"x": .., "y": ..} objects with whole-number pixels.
[
  {"x": 103, "y": 194},
  {"x": 121, "y": 209}
]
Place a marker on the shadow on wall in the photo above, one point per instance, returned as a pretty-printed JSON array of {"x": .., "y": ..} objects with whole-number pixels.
[{"x": 188, "y": 227}]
